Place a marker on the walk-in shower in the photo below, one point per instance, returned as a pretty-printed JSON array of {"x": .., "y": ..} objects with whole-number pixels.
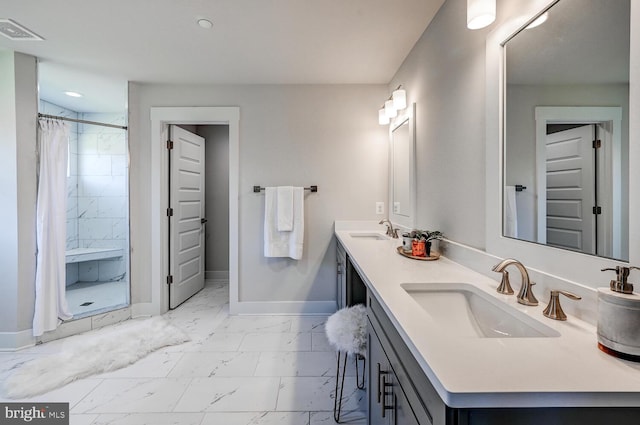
[{"x": 97, "y": 215}]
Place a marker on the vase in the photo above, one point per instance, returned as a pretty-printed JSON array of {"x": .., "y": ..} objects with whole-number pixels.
[
  {"x": 407, "y": 244},
  {"x": 418, "y": 249}
]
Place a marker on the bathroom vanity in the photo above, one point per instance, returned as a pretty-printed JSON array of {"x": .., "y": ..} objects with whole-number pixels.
[{"x": 426, "y": 366}]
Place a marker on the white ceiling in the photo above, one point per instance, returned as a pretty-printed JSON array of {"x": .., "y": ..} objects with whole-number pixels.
[{"x": 251, "y": 42}]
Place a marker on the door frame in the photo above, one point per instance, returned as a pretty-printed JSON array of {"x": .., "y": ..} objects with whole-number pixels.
[
  {"x": 161, "y": 117},
  {"x": 581, "y": 115}
]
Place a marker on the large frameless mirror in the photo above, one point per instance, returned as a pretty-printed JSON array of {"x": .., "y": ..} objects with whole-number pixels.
[{"x": 566, "y": 133}]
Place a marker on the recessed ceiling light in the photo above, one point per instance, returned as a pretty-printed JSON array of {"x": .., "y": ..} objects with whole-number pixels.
[
  {"x": 205, "y": 23},
  {"x": 73, "y": 94},
  {"x": 541, "y": 20}
]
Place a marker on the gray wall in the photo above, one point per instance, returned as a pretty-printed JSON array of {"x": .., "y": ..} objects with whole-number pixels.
[
  {"x": 216, "y": 198},
  {"x": 18, "y": 111},
  {"x": 289, "y": 135},
  {"x": 445, "y": 75}
]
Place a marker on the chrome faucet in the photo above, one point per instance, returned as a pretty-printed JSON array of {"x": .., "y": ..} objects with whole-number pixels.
[
  {"x": 390, "y": 230},
  {"x": 525, "y": 295}
]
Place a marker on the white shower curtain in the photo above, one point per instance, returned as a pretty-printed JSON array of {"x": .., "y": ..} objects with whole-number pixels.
[{"x": 51, "y": 304}]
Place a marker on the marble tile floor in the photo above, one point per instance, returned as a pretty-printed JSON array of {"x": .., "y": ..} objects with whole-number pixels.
[
  {"x": 103, "y": 296},
  {"x": 236, "y": 370}
]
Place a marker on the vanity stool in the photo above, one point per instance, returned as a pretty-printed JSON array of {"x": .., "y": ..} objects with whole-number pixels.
[{"x": 346, "y": 330}]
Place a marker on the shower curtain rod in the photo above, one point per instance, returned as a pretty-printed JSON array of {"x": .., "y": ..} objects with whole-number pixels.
[{"x": 82, "y": 121}]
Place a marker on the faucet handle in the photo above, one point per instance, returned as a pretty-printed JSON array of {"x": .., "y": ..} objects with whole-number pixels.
[
  {"x": 505, "y": 285},
  {"x": 554, "y": 309}
]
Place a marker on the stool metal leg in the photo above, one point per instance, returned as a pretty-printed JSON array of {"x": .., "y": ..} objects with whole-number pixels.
[
  {"x": 337, "y": 404},
  {"x": 359, "y": 384}
]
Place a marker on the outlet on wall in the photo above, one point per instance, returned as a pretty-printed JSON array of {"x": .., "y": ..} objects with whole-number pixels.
[{"x": 379, "y": 208}]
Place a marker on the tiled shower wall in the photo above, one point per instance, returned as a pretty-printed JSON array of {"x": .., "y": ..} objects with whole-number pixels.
[
  {"x": 103, "y": 214},
  {"x": 97, "y": 193}
]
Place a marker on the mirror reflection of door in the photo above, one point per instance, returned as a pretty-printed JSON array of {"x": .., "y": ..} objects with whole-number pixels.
[
  {"x": 579, "y": 179},
  {"x": 571, "y": 181}
]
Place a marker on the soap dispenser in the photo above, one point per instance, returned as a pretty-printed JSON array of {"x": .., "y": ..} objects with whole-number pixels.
[{"x": 619, "y": 316}]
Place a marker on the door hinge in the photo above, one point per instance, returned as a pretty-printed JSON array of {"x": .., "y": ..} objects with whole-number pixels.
[
  {"x": 597, "y": 144},
  {"x": 169, "y": 279},
  {"x": 169, "y": 212},
  {"x": 169, "y": 144},
  {"x": 597, "y": 210}
]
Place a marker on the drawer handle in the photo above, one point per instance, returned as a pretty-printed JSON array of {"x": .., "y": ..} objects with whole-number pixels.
[
  {"x": 380, "y": 373},
  {"x": 385, "y": 393}
]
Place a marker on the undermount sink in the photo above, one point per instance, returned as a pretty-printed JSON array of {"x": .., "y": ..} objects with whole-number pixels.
[
  {"x": 369, "y": 235},
  {"x": 466, "y": 311}
]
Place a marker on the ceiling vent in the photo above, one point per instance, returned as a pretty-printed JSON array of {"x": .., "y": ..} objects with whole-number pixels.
[{"x": 16, "y": 32}]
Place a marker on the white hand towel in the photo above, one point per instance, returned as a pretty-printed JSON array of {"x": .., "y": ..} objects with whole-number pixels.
[
  {"x": 283, "y": 244},
  {"x": 510, "y": 212},
  {"x": 284, "y": 208}
]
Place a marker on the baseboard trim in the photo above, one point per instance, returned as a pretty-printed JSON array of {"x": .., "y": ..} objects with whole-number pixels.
[
  {"x": 14, "y": 341},
  {"x": 285, "y": 307},
  {"x": 216, "y": 275}
]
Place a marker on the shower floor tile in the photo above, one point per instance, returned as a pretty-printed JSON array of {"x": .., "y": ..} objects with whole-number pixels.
[{"x": 84, "y": 298}]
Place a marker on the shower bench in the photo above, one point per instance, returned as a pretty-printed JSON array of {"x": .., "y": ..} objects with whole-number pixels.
[{"x": 79, "y": 255}]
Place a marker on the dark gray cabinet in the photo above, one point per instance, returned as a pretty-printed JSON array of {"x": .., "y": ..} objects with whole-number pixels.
[
  {"x": 388, "y": 404},
  {"x": 394, "y": 398}
]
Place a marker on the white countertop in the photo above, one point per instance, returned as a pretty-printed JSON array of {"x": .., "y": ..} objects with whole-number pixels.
[{"x": 563, "y": 371}]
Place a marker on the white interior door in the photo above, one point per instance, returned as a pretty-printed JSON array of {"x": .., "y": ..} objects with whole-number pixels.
[
  {"x": 187, "y": 222},
  {"x": 570, "y": 194}
]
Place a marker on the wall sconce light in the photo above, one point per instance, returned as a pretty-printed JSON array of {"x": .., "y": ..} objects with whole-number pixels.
[
  {"x": 396, "y": 102},
  {"x": 480, "y": 13},
  {"x": 383, "y": 119}
]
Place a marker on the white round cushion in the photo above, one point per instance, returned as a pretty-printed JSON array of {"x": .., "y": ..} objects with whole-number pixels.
[{"x": 346, "y": 329}]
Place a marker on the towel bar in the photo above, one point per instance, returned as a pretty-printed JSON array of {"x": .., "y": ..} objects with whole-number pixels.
[{"x": 258, "y": 189}]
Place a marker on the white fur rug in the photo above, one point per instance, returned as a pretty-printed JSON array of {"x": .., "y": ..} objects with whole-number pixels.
[{"x": 95, "y": 352}]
